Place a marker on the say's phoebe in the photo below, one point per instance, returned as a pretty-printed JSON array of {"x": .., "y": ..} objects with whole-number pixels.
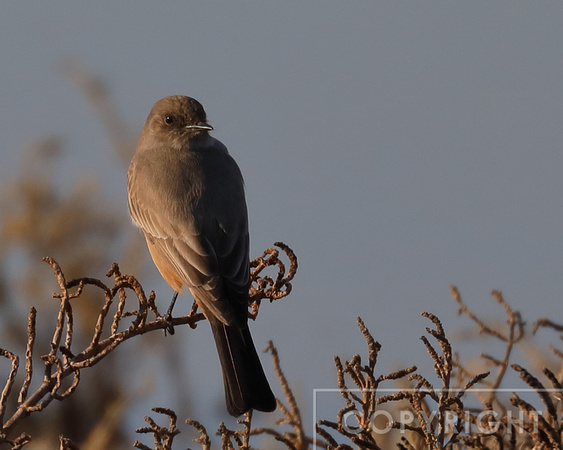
[{"x": 186, "y": 194}]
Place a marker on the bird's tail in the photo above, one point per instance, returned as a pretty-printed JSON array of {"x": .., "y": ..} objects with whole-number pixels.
[{"x": 246, "y": 385}]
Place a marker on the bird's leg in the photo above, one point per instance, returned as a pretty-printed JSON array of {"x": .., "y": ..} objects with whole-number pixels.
[{"x": 168, "y": 316}]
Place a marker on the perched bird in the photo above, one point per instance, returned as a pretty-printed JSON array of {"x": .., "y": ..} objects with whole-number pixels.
[{"x": 186, "y": 193}]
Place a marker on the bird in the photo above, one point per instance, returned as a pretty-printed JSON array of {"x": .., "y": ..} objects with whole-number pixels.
[{"x": 186, "y": 194}]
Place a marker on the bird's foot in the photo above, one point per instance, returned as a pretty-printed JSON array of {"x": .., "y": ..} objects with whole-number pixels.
[
  {"x": 169, "y": 325},
  {"x": 168, "y": 316}
]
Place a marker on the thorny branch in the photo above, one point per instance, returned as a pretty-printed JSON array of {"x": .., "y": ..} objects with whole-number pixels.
[
  {"x": 432, "y": 407},
  {"x": 473, "y": 428},
  {"x": 62, "y": 362},
  {"x": 547, "y": 323},
  {"x": 510, "y": 337},
  {"x": 239, "y": 439},
  {"x": 440, "y": 419},
  {"x": 163, "y": 436},
  {"x": 361, "y": 401}
]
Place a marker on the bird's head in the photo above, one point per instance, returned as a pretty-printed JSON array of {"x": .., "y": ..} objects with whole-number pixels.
[{"x": 175, "y": 121}]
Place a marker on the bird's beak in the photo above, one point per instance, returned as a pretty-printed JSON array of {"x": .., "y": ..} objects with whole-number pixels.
[{"x": 200, "y": 126}]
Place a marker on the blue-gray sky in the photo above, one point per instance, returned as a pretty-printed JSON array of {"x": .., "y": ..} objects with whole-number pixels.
[{"x": 398, "y": 147}]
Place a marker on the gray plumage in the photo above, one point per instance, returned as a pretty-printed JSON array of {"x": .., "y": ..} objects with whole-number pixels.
[{"x": 186, "y": 194}]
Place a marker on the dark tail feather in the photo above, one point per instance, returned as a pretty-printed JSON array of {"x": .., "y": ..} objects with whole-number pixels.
[{"x": 246, "y": 385}]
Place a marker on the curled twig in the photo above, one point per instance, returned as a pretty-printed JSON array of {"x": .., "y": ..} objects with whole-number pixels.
[{"x": 264, "y": 286}]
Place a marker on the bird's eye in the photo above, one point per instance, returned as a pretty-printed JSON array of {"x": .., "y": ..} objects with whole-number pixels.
[{"x": 169, "y": 120}]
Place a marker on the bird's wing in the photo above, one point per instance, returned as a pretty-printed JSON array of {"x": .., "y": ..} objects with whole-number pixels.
[{"x": 208, "y": 255}]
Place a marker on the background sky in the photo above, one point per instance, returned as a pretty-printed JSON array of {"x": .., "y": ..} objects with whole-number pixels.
[{"x": 397, "y": 147}]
